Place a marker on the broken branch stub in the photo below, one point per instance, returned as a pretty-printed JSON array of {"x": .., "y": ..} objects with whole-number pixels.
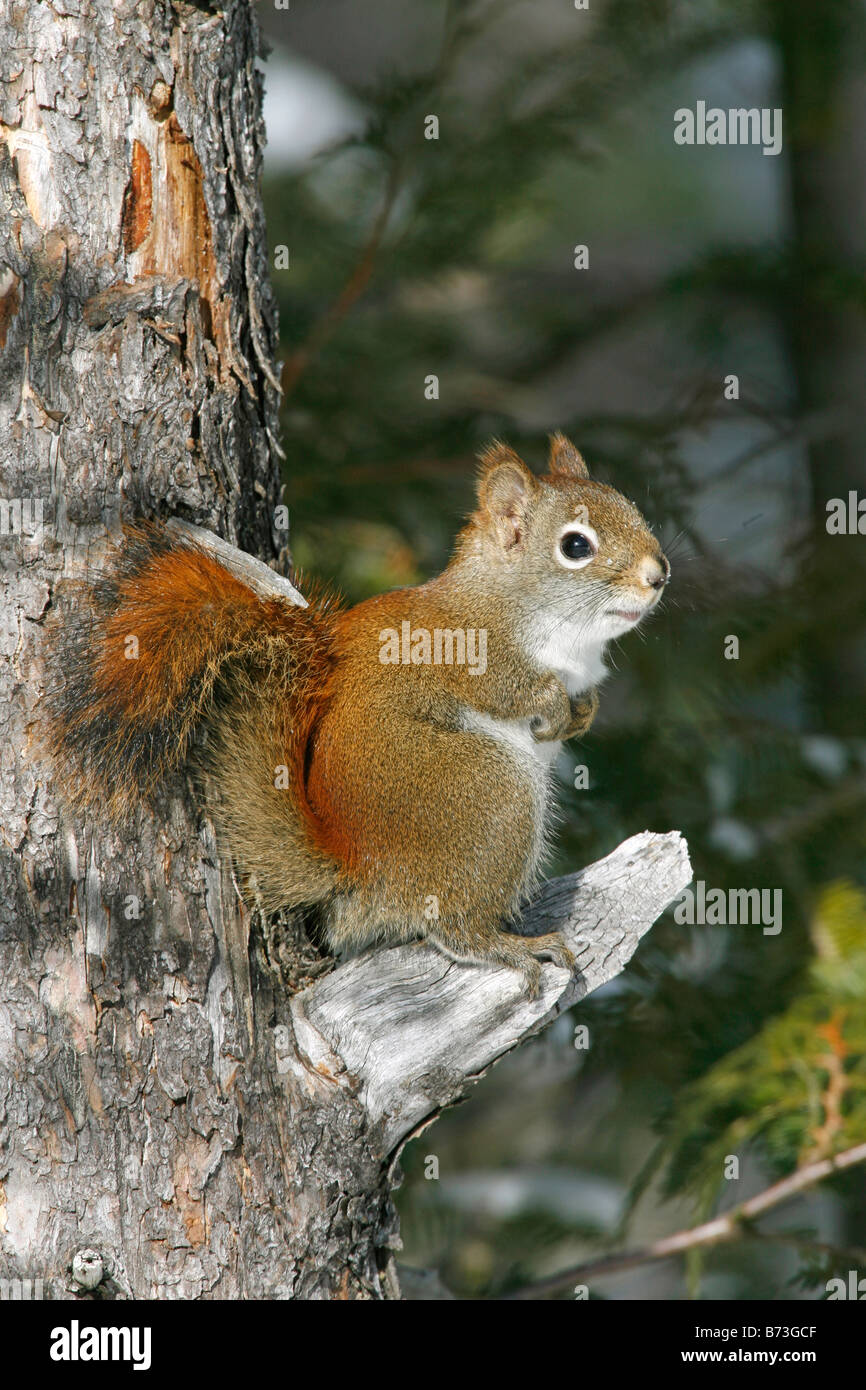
[{"x": 413, "y": 1028}]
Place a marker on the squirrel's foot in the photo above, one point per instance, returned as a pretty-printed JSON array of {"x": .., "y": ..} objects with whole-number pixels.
[
  {"x": 517, "y": 952},
  {"x": 531, "y": 949},
  {"x": 551, "y": 946}
]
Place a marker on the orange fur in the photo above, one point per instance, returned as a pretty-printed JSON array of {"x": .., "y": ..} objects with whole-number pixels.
[{"x": 398, "y": 799}]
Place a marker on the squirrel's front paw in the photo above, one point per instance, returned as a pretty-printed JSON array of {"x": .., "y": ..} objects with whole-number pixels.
[
  {"x": 553, "y": 714},
  {"x": 583, "y": 711}
]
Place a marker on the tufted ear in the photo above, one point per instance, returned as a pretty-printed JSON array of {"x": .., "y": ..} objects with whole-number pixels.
[
  {"x": 506, "y": 489},
  {"x": 565, "y": 461}
]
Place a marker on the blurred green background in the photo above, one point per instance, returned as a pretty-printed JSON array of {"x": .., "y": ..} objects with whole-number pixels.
[{"x": 455, "y": 257}]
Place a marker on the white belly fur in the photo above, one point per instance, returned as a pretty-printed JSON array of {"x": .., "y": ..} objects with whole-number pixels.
[
  {"x": 535, "y": 761},
  {"x": 562, "y": 649}
]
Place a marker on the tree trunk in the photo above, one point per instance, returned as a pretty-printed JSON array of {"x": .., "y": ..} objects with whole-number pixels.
[
  {"x": 169, "y": 1101},
  {"x": 141, "y": 1112}
]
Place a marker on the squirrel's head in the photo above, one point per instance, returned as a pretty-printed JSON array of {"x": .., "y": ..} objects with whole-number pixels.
[{"x": 563, "y": 544}]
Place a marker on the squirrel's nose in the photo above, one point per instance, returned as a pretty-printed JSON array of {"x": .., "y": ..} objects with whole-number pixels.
[{"x": 656, "y": 572}]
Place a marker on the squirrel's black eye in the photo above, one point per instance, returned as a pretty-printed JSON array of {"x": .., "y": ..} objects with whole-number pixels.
[{"x": 576, "y": 546}]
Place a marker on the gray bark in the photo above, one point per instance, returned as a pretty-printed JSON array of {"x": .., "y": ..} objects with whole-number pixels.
[{"x": 174, "y": 1114}]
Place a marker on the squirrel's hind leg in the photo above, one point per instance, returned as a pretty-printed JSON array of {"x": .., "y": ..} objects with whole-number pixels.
[
  {"x": 352, "y": 921},
  {"x": 490, "y": 945}
]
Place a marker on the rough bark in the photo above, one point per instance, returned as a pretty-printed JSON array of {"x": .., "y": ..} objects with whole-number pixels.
[
  {"x": 167, "y": 1100},
  {"x": 140, "y": 1110}
]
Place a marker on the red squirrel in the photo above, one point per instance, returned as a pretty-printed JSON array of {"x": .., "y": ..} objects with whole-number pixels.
[{"x": 388, "y": 764}]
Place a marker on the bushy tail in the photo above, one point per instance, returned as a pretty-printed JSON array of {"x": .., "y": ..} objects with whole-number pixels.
[{"x": 161, "y": 639}]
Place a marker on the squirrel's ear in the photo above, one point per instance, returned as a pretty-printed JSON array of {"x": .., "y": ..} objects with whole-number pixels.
[
  {"x": 506, "y": 488},
  {"x": 565, "y": 461}
]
